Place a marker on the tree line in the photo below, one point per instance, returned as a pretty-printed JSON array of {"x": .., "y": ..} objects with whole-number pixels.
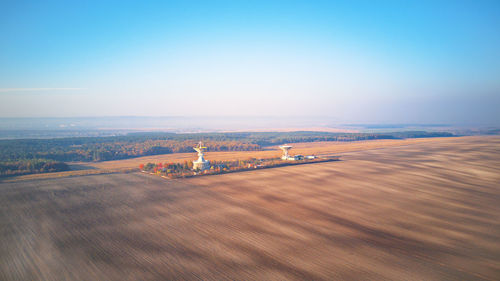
[
  {"x": 31, "y": 166},
  {"x": 144, "y": 144}
]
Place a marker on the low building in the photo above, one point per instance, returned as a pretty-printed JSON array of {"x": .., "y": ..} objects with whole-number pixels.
[{"x": 293, "y": 158}]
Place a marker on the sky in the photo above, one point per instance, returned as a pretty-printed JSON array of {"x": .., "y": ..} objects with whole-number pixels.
[{"x": 348, "y": 61}]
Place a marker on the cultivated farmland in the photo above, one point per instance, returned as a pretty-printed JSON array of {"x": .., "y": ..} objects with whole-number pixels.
[{"x": 423, "y": 211}]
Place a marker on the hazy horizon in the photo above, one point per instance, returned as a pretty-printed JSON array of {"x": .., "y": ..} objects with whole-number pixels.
[
  {"x": 12, "y": 128},
  {"x": 387, "y": 62}
]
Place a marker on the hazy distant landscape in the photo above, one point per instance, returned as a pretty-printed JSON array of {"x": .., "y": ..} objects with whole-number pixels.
[{"x": 17, "y": 128}]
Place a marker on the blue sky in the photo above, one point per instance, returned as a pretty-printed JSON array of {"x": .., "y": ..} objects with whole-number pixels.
[{"x": 351, "y": 61}]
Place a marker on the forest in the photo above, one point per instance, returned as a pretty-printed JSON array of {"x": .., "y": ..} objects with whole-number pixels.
[{"x": 28, "y": 154}]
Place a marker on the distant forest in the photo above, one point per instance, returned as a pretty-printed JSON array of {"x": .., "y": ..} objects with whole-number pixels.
[
  {"x": 40, "y": 155},
  {"x": 31, "y": 166}
]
